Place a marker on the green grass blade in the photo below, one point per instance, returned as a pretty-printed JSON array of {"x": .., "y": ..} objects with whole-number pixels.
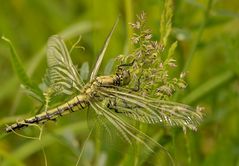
[
  {"x": 166, "y": 22},
  {"x": 102, "y": 53},
  {"x": 21, "y": 73},
  {"x": 199, "y": 35},
  {"x": 208, "y": 87},
  {"x": 33, "y": 146},
  {"x": 17, "y": 64}
]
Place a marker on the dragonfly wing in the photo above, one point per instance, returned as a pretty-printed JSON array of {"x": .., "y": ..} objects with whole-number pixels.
[
  {"x": 148, "y": 110},
  {"x": 98, "y": 121},
  {"x": 61, "y": 71},
  {"x": 102, "y": 53},
  {"x": 125, "y": 129}
]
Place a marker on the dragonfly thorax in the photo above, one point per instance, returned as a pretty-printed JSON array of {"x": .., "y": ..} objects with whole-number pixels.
[{"x": 121, "y": 78}]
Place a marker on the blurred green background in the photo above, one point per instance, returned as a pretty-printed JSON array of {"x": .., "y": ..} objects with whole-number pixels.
[{"x": 207, "y": 32}]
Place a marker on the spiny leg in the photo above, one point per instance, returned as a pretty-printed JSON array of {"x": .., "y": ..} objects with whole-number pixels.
[
  {"x": 126, "y": 64},
  {"x": 40, "y": 109},
  {"x": 112, "y": 104}
]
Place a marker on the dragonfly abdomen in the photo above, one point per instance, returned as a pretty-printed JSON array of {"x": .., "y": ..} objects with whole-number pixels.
[
  {"x": 77, "y": 103},
  {"x": 89, "y": 94}
]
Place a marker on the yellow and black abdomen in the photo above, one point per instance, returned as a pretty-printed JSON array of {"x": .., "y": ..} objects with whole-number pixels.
[{"x": 77, "y": 103}]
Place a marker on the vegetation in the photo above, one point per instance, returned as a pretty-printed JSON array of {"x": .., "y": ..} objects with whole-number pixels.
[{"x": 195, "y": 27}]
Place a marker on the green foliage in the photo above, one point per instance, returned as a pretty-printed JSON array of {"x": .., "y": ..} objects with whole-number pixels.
[
  {"x": 84, "y": 71},
  {"x": 102, "y": 53},
  {"x": 17, "y": 65},
  {"x": 31, "y": 88},
  {"x": 150, "y": 70},
  {"x": 206, "y": 36},
  {"x": 166, "y": 23}
]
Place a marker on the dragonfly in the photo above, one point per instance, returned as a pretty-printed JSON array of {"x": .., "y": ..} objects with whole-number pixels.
[{"x": 109, "y": 96}]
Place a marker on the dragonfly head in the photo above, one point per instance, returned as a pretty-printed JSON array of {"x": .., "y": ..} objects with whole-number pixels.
[{"x": 124, "y": 76}]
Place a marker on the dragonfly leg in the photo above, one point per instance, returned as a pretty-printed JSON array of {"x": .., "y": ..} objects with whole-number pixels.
[
  {"x": 126, "y": 105},
  {"x": 126, "y": 64},
  {"x": 112, "y": 105},
  {"x": 137, "y": 85},
  {"x": 40, "y": 109}
]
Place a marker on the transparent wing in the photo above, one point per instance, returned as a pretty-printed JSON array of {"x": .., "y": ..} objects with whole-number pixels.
[
  {"x": 61, "y": 71},
  {"x": 100, "y": 123},
  {"x": 148, "y": 110},
  {"x": 126, "y": 130},
  {"x": 102, "y": 53}
]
